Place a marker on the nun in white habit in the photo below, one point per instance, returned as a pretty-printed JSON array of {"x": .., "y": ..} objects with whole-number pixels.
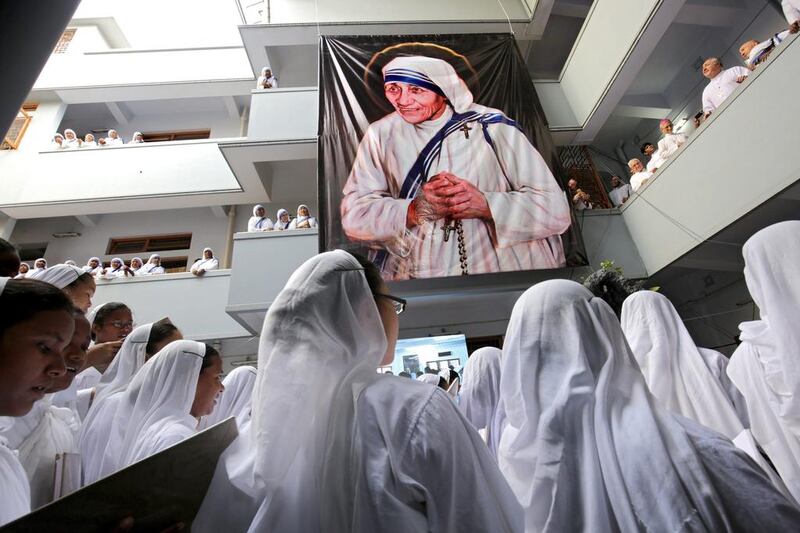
[
  {"x": 152, "y": 267},
  {"x": 39, "y": 266},
  {"x": 206, "y": 263},
  {"x": 335, "y": 446},
  {"x": 94, "y": 267},
  {"x": 116, "y": 269},
  {"x": 15, "y": 490},
  {"x": 70, "y": 139},
  {"x": 113, "y": 139},
  {"x": 259, "y": 220},
  {"x": 766, "y": 366},
  {"x": 237, "y": 399},
  {"x": 282, "y": 220},
  {"x": 157, "y": 409},
  {"x": 136, "y": 265},
  {"x": 481, "y": 389},
  {"x": 586, "y": 447},
  {"x": 137, "y": 138},
  {"x": 304, "y": 220}
]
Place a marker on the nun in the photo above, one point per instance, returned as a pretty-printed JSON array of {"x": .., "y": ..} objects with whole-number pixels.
[
  {"x": 259, "y": 220},
  {"x": 304, "y": 219},
  {"x": 48, "y": 430},
  {"x": 153, "y": 267},
  {"x": 136, "y": 265},
  {"x": 267, "y": 80},
  {"x": 116, "y": 270},
  {"x": 70, "y": 139},
  {"x": 206, "y": 263},
  {"x": 36, "y": 324},
  {"x": 88, "y": 141},
  {"x": 38, "y": 266},
  {"x": 76, "y": 283},
  {"x": 94, "y": 267},
  {"x": 137, "y": 138},
  {"x": 113, "y": 139},
  {"x": 24, "y": 268},
  {"x": 159, "y": 408},
  {"x": 335, "y": 446},
  {"x": 70, "y": 262},
  {"x": 282, "y": 220},
  {"x": 480, "y": 392},
  {"x": 236, "y": 400},
  {"x": 585, "y": 445},
  {"x": 58, "y": 142},
  {"x": 766, "y": 365}
]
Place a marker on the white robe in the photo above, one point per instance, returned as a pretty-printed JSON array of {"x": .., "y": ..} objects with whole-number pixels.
[
  {"x": 640, "y": 178},
  {"x": 149, "y": 269},
  {"x": 620, "y": 194},
  {"x": 15, "y": 492},
  {"x": 259, "y": 224},
  {"x": 334, "y": 446},
  {"x": 766, "y": 365},
  {"x": 114, "y": 142},
  {"x": 303, "y": 223},
  {"x": 791, "y": 10},
  {"x": 670, "y": 143},
  {"x": 38, "y": 436},
  {"x": 656, "y": 161},
  {"x": 205, "y": 264},
  {"x": 721, "y": 87},
  {"x": 528, "y": 208},
  {"x": 587, "y": 448}
]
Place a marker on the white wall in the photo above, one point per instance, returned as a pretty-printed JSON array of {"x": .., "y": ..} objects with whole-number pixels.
[
  {"x": 303, "y": 11},
  {"x": 136, "y": 67},
  {"x": 87, "y": 39},
  {"x": 283, "y": 114}
]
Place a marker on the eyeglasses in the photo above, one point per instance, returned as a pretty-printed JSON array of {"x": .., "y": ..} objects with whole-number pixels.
[
  {"x": 121, "y": 325},
  {"x": 398, "y": 303}
]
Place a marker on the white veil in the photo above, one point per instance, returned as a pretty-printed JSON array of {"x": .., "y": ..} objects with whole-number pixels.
[
  {"x": 321, "y": 344},
  {"x": 673, "y": 367},
  {"x": 125, "y": 365},
  {"x": 236, "y": 399},
  {"x": 585, "y": 444},
  {"x": 481, "y": 389}
]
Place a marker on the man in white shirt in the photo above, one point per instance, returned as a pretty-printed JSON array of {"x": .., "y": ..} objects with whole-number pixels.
[
  {"x": 722, "y": 84},
  {"x": 620, "y": 191},
  {"x": 649, "y": 150},
  {"x": 670, "y": 143},
  {"x": 639, "y": 175}
]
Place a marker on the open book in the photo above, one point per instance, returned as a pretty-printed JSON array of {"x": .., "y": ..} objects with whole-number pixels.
[{"x": 162, "y": 490}]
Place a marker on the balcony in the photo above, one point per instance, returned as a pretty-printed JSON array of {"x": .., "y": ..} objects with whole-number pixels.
[
  {"x": 126, "y": 75},
  {"x": 195, "y": 305},
  {"x": 149, "y": 176},
  {"x": 283, "y": 114},
  {"x": 723, "y": 176}
]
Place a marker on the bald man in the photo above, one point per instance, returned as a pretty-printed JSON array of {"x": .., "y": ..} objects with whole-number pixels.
[{"x": 722, "y": 83}]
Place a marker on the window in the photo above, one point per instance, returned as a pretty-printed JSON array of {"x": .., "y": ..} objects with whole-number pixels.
[
  {"x": 188, "y": 135},
  {"x": 443, "y": 364},
  {"x": 385, "y": 369},
  {"x": 63, "y": 42},
  {"x": 149, "y": 244},
  {"x": 18, "y": 127},
  {"x": 411, "y": 364}
]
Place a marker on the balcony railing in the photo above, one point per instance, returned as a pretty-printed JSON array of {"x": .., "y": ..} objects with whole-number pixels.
[{"x": 283, "y": 114}]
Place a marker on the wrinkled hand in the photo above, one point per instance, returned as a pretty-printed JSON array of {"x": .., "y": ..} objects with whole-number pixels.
[
  {"x": 462, "y": 199},
  {"x": 740, "y": 79}
]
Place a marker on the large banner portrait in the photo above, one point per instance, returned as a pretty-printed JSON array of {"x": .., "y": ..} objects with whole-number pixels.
[{"x": 435, "y": 158}]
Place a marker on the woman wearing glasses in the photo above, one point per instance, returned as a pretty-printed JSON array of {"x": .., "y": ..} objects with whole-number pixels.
[{"x": 333, "y": 445}]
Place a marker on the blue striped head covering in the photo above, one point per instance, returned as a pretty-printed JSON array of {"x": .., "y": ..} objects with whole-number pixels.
[{"x": 430, "y": 73}]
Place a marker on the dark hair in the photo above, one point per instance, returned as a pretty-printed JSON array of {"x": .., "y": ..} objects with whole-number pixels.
[
  {"x": 22, "y": 299},
  {"x": 104, "y": 311},
  {"x": 610, "y": 286},
  {"x": 453, "y": 375},
  {"x": 442, "y": 383},
  {"x": 645, "y": 145},
  {"x": 208, "y": 358},
  {"x": 371, "y": 272},
  {"x": 83, "y": 278},
  {"x": 404, "y": 374},
  {"x": 6, "y": 246},
  {"x": 161, "y": 330}
]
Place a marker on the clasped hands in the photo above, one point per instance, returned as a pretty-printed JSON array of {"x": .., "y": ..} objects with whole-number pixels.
[{"x": 446, "y": 195}]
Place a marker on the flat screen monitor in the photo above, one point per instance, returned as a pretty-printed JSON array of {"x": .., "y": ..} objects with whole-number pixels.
[{"x": 436, "y": 353}]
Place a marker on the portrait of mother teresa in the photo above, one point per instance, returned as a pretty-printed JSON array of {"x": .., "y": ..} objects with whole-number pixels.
[{"x": 446, "y": 187}]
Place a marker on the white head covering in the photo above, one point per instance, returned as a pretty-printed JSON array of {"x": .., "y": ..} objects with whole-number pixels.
[
  {"x": 129, "y": 359},
  {"x": 772, "y": 273},
  {"x": 141, "y": 263},
  {"x": 264, "y": 71},
  {"x": 432, "y": 379},
  {"x": 68, "y": 130},
  {"x": 433, "y": 74},
  {"x": 121, "y": 262},
  {"x": 59, "y": 275},
  {"x": 115, "y": 131},
  {"x": 35, "y": 268},
  {"x": 585, "y": 444},
  {"x": 133, "y": 137},
  {"x": 56, "y": 134},
  {"x": 236, "y": 399},
  {"x": 673, "y": 366},
  {"x": 70, "y": 262},
  {"x": 321, "y": 344},
  {"x": 481, "y": 389},
  {"x": 155, "y": 408},
  {"x": 280, "y": 213}
]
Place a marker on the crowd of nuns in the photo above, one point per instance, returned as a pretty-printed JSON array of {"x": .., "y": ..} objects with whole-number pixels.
[{"x": 584, "y": 422}]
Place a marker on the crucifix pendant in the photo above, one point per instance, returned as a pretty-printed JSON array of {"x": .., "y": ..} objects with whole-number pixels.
[
  {"x": 466, "y": 129},
  {"x": 447, "y": 227}
]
